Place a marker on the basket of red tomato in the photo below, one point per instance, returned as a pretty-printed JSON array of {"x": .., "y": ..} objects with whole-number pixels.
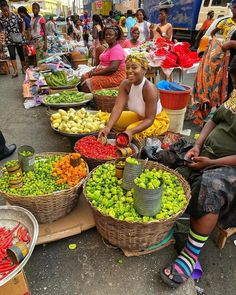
[{"x": 96, "y": 152}]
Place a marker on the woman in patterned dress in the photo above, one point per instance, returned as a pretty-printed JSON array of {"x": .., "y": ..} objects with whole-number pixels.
[{"x": 14, "y": 38}]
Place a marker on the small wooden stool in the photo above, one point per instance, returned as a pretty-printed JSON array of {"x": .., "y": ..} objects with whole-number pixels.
[{"x": 223, "y": 235}]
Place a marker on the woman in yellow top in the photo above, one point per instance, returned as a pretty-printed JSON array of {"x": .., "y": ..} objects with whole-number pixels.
[
  {"x": 145, "y": 117},
  {"x": 228, "y": 25}
]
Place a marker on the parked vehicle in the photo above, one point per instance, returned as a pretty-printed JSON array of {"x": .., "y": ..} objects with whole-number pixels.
[{"x": 188, "y": 16}]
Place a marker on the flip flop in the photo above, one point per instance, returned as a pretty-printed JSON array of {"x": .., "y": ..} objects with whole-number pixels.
[
  {"x": 14, "y": 75},
  {"x": 174, "y": 279}
]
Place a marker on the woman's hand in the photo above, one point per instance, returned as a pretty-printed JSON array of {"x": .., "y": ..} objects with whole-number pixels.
[
  {"x": 226, "y": 46},
  {"x": 130, "y": 134},
  {"x": 104, "y": 132},
  {"x": 200, "y": 163},
  {"x": 194, "y": 152}
]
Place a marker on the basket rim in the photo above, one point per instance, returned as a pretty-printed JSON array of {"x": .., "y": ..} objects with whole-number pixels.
[
  {"x": 48, "y": 154},
  {"x": 173, "y": 217}
]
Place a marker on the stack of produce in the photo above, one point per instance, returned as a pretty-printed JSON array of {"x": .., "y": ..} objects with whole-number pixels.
[
  {"x": 91, "y": 147},
  {"x": 60, "y": 79},
  {"x": 8, "y": 238},
  {"x": 50, "y": 174},
  {"x": 70, "y": 170},
  {"x": 81, "y": 121},
  {"x": 175, "y": 54},
  {"x": 68, "y": 97},
  {"x": 104, "y": 190},
  {"x": 107, "y": 92}
]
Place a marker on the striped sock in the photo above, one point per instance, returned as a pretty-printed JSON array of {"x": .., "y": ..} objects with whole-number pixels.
[{"x": 188, "y": 257}]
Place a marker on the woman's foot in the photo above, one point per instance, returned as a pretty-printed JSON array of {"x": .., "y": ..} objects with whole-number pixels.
[
  {"x": 172, "y": 276},
  {"x": 15, "y": 75}
]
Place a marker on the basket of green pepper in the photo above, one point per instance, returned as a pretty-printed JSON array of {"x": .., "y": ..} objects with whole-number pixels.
[
  {"x": 105, "y": 99},
  {"x": 41, "y": 193}
]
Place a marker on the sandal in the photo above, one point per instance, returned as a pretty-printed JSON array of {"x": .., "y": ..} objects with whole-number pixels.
[
  {"x": 14, "y": 75},
  {"x": 173, "y": 279}
]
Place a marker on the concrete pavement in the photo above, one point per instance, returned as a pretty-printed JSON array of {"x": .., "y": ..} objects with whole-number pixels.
[{"x": 92, "y": 269}]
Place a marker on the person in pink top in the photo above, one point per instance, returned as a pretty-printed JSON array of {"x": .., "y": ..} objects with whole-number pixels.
[
  {"x": 111, "y": 70},
  {"x": 133, "y": 42},
  {"x": 38, "y": 32}
]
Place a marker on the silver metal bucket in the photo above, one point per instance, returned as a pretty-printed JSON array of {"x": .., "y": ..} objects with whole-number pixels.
[
  {"x": 131, "y": 171},
  {"x": 147, "y": 202},
  {"x": 26, "y": 163}
]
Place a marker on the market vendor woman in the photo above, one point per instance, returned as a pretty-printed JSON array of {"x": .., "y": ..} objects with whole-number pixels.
[
  {"x": 145, "y": 116},
  {"x": 212, "y": 177},
  {"x": 111, "y": 70}
]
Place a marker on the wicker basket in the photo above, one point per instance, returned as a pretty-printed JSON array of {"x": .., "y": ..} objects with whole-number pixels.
[
  {"x": 137, "y": 236},
  {"x": 105, "y": 103},
  {"x": 93, "y": 163},
  {"x": 50, "y": 207}
]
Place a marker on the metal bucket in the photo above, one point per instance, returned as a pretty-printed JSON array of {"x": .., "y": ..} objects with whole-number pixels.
[
  {"x": 26, "y": 163},
  {"x": 147, "y": 202},
  {"x": 131, "y": 171}
]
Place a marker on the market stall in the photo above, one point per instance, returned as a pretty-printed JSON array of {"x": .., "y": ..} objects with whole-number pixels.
[{"x": 168, "y": 57}]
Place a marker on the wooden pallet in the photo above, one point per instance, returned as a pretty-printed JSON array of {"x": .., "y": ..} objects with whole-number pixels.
[{"x": 223, "y": 235}]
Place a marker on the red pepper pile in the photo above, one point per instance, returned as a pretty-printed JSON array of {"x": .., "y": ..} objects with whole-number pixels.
[
  {"x": 122, "y": 139},
  {"x": 7, "y": 239},
  {"x": 90, "y": 147}
]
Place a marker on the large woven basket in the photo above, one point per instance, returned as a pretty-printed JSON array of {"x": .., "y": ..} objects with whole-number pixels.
[
  {"x": 93, "y": 163},
  {"x": 50, "y": 207},
  {"x": 105, "y": 103},
  {"x": 137, "y": 236}
]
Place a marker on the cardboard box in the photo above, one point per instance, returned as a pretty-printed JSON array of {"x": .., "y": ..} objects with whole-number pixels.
[{"x": 16, "y": 286}]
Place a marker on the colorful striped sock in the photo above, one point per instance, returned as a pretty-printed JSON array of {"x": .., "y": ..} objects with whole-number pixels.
[{"x": 188, "y": 257}]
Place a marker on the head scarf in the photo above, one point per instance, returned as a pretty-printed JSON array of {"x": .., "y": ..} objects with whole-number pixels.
[
  {"x": 134, "y": 28},
  {"x": 121, "y": 20},
  {"x": 138, "y": 58}
]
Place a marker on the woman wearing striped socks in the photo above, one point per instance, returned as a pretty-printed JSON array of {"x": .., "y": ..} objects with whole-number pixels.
[{"x": 212, "y": 177}]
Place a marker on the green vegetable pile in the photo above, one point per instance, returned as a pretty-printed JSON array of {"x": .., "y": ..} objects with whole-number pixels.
[
  {"x": 104, "y": 191},
  {"x": 132, "y": 161},
  {"x": 37, "y": 182},
  {"x": 107, "y": 92},
  {"x": 149, "y": 179},
  {"x": 59, "y": 78},
  {"x": 68, "y": 97},
  {"x": 11, "y": 163},
  {"x": 26, "y": 153}
]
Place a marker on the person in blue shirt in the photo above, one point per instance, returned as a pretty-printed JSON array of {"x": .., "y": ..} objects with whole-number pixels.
[
  {"x": 23, "y": 13},
  {"x": 130, "y": 22}
]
